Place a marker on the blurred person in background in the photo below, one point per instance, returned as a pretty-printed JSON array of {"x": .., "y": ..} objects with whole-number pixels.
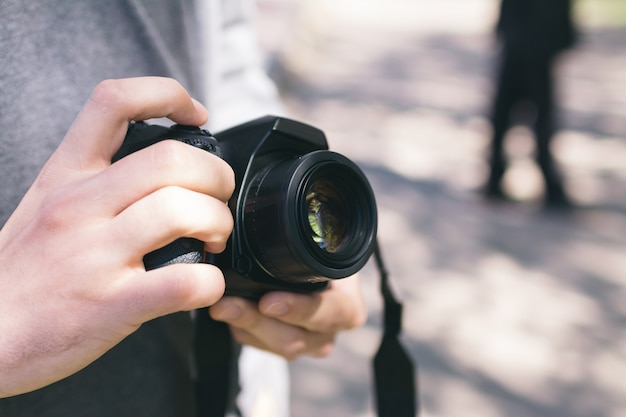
[
  {"x": 84, "y": 329},
  {"x": 532, "y": 34}
]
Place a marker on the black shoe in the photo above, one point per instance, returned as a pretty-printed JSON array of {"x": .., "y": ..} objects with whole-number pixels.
[
  {"x": 558, "y": 200},
  {"x": 494, "y": 194}
]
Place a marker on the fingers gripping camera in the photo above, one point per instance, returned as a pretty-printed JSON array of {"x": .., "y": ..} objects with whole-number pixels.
[{"x": 303, "y": 215}]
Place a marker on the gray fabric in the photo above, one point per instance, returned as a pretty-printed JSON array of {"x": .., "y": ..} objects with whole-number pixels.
[{"x": 52, "y": 54}]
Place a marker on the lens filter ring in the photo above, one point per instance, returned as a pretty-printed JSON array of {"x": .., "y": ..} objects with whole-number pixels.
[
  {"x": 310, "y": 217},
  {"x": 335, "y": 211}
]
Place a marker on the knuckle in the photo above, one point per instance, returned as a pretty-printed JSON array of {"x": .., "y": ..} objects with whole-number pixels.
[
  {"x": 220, "y": 179},
  {"x": 171, "y": 85},
  {"x": 296, "y": 349},
  {"x": 291, "y": 352},
  {"x": 247, "y": 320},
  {"x": 295, "y": 343},
  {"x": 57, "y": 211},
  {"x": 320, "y": 345},
  {"x": 181, "y": 289},
  {"x": 243, "y": 337},
  {"x": 173, "y": 159},
  {"x": 177, "y": 91},
  {"x": 184, "y": 213},
  {"x": 108, "y": 94},
  {"x": 173, "y": 208},
  {"x": 169, "y": 156},
  {"x": 223, "y": 227},
  {"x": 229, "y": 180},
  {"x": 325, "y": 350},
  {"x": 358, "y": 319}
]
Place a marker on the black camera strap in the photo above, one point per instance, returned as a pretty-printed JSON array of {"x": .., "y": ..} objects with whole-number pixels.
[
  {"x": 216, "y": 363},
  {"x": 394, "y": 372},
  {"x": 216, "y": 356}
]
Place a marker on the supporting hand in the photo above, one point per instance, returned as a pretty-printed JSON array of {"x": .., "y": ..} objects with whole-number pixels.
[{"x": 292, "y": 324}]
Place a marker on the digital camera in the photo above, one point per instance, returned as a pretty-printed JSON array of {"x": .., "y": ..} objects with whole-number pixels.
[{"x": 303, "y": 215}]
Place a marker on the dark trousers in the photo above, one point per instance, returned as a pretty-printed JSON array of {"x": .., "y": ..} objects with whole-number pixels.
[{"x": 525, "y": 89}]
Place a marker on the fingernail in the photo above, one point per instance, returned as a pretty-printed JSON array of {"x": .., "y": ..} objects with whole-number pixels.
[{"x": 278, "y": 308}]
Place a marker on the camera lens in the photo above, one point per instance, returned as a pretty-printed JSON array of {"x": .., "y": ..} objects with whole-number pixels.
[
  {"x": 310, "y": 218},
  {"x": 327, "y": 215}
]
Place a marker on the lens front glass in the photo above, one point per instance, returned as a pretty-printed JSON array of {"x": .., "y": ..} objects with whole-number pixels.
[{"x": 327, "y": 214}]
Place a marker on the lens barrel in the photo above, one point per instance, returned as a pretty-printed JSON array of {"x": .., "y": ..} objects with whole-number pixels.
[{"x": 310, "y": 218}]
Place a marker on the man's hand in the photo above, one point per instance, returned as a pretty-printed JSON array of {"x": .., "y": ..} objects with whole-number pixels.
[
  {"x": 291, "y": 324},
  {"x": 72, "y": 281}
]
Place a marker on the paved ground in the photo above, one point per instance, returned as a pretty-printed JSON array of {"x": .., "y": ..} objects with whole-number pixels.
[{"x": 509, "y": 310}]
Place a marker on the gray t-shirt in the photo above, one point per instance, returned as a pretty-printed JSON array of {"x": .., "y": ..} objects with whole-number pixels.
[{"x": 52, "y": 54}]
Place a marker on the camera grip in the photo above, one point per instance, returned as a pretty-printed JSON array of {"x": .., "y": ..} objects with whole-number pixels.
[
  {"x": 185, "y": 250},
  {"x": 141, "y": 135}
]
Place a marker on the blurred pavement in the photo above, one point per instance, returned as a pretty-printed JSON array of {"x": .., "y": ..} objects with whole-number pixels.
[{"x": 510, "y": 310}]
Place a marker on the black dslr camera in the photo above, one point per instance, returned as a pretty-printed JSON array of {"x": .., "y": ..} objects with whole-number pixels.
[{"x": 303, "y": 215}]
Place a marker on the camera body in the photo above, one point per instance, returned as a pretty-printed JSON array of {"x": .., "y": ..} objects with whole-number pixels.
[{"x": 303, "y": 215}]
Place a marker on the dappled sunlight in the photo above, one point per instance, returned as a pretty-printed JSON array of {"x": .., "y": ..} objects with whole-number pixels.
[
  {"x": 593, "y": 166},
  {"x": 417, "y": 142},
  {"x": 539, "y": 322},
  {"x": 417, "y": 249},
  {"x": 527, "y": 303},
  {"x": 405, "y": 15},
  {"x": 456, "y": 398},
  {"x": 510, "y": 309},
  {"x": 523, "y": 180},
  {"x": 588, "y": 153},
  {"x": 605, "y": 262},
  {"x": 515, "y": 325}
]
